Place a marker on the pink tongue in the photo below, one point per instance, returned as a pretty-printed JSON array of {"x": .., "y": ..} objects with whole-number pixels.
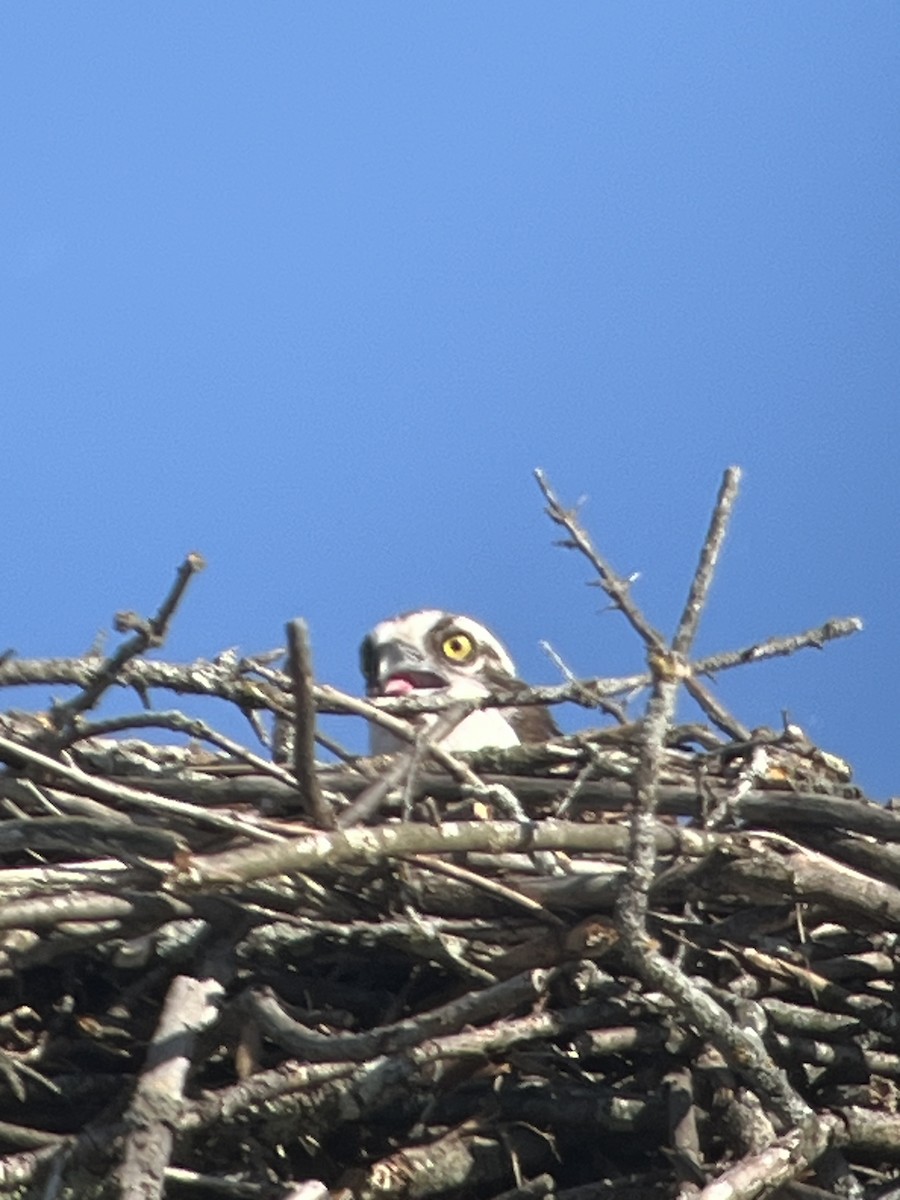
[{"x": 400, "y": 685}]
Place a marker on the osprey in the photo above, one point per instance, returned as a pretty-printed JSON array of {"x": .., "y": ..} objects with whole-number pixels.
[{"x": 430, "y": 651}]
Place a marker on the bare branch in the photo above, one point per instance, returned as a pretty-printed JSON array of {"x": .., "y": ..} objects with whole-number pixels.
[
  {"x": 148, "y": 634},
  {"x": 301, "y": 671},
  {"x": 615, "y": 587},
  {"x": 117, "y": 794},
  {"x": 222, "y": 679},
  {"x": 191, "y": 1006},
  {"x": 781, "y": 646},
  {"x": 364, "y": 845},
  {"x": 709, "y": 557}
]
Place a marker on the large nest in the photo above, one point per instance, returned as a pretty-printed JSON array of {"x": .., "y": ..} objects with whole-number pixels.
[{"x": 645, "y": 960}]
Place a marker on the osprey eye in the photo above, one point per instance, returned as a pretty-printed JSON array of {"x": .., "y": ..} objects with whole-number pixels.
[{"x": 458, "y": 647}]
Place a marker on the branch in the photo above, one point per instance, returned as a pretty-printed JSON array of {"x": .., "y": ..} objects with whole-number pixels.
[
  {"x": 224, "y": 679},
  {"x": 742, "y": 1048},
  {"x": 709, "y": 557},
  {"x": 615, "y": 587},
  {"x": 191, "y": 1007},
  {"x": 149, "y": 633},
  {"x": 118, "y": 795},
  {"x": 363, "y": 845},
  {"x": 301, "y": 671}
]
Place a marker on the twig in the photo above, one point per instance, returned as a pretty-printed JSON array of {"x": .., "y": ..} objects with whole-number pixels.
[
  {"x": 500, "y": 797},
  {"x": 494, "y": 887},
  {"x": 696, "y": 601},
  {"x": 147, "y": 634},
  {"x": 375, "y": 792},
  {"x": 709, "y": 557},
  {"x": 214, "y": 1186},
  {"x": 614, "y": 586},
  {"x": 118, "y": 794},
  {"x": 525, "y": 990},
  {"x": 301, "y": 671},
  {"x": 586, "y": 698},
  {"x": 47, "y": 912},
  {"x": 176, "y": 721},
  {"x": 403, "y": 771},
  {"x": 773, "y": 863},
  {"x": 377, "y": 1081},
  {"x": 89, "y": 836},
  {"x": 631, "y": 911},
  {"x": 764, "y": 1172},
  {"x": 715, "y": 709},
  {"x": 684, "y": 1136}
]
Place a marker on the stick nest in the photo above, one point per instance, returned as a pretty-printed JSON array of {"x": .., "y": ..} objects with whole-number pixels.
[{"x": 647, "y": 960}]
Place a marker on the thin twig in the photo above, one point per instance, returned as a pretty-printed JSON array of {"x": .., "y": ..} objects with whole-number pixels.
[
  {"x": 525, "y": 990},
  {"x": 715, "y": 709},
  {"x": 118, "y": 794},
  {"x": 585, "y": 697},
  {"x": 614, "y": 585},
  {"x": 709, "y": 557},
  {"x": 369, "y": 802},
  {"x": 176, "y": 721},
  {"x": 777, "y": 647},
  {"x": 493, "y": 886},
  {"x": 301, "y": 671},
  {"x": 147, "y": 634},
  {"x": 373, "y": 796}
]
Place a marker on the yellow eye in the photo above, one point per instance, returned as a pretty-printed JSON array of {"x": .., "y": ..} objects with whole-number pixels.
[{"x": 458, "y": 647}]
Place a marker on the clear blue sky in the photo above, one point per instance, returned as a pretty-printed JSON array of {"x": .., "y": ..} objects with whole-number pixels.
[{"x": 311, "y": 288}]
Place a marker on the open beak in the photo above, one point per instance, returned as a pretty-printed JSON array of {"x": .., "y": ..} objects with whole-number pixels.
[{"x": 400, "y": 672}]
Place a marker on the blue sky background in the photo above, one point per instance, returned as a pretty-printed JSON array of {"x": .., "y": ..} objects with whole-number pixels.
[{"x": 311, "y": 288}]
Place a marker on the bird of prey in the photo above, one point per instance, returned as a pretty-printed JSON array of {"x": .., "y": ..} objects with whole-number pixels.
[{"x": 434, "y": 652}]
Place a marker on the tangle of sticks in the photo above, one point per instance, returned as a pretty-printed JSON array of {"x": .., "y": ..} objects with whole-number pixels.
[{"x": 644, "y": 960}]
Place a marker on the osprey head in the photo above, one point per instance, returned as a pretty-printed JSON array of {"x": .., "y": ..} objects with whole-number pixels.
[{"x": 431, "y": 651}]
